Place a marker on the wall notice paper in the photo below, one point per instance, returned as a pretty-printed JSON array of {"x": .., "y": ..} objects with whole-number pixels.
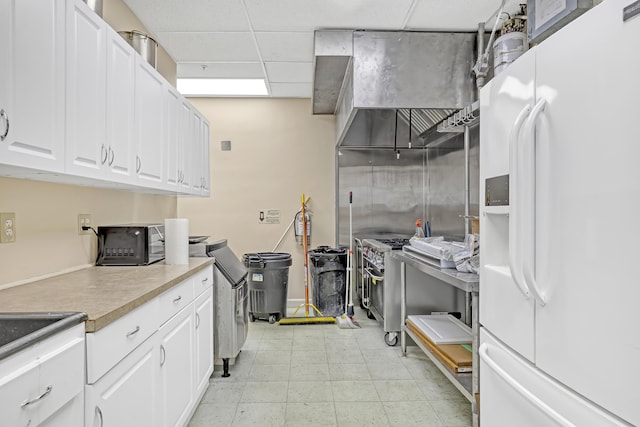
[
  {"x": 269, "y": 216},
  {"x": 176, "y": 241}
]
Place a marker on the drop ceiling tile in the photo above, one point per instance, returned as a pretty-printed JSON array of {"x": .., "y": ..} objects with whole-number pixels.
[
  {"x": 456, "y": 15},
  {"x": 286, "y": 46},
  {"x": 289, "y": 72},
  {"x": 291, "y": 90},
  {"x": 220, "y": 70},
  {"x": 209, "y": 46},
  {"x": 194, "y": 15},
  {"x": 309, "y": 15}
]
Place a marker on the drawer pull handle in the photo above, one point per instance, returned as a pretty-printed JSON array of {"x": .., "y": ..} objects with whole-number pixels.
[
  {"x": 5, "y": 117},
  {"x": 175, "y": 301},
  {"x": 135, "y": 331},
  {"x": 99, "y": 412},
  {"x": 197, "y": 320},
  {"x": 35, "y": 399},
  {"x": 205, "y": 280},
  {"x": 164, "y": 355}
]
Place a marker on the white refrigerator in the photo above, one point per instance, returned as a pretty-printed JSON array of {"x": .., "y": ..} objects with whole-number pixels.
[{"x": 559, "y": 298}]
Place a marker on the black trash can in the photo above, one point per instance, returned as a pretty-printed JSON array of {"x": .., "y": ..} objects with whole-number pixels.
[
  {"x": 268, "y": 280},
  {"x": 328, "y": 268}
]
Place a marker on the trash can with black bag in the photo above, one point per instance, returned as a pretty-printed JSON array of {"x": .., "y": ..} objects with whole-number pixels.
[{"x": 328, "y": 279}]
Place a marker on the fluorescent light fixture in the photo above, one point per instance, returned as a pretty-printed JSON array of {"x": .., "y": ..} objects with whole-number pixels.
[{"x": 222, "y": 87}]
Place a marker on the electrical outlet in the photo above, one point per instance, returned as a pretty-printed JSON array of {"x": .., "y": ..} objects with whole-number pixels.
[
  {"x": 84, "y": 220},
  {"x": 7, "y": 227}
]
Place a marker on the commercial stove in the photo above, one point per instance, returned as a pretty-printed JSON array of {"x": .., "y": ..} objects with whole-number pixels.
[{"x": 380, "y": 282}]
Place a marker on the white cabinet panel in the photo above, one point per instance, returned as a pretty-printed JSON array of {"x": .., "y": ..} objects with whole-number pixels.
[
  {"x": 148, "y": 125},
  {"x": 32, "y": 84},
  {"x": 204, "y": 340},
  {"x": 172, "y": 140},
  {"x": 87, "y": 152},
  {"x": 126, "y": 395},
  {"x": 17, "y": 387},
  {"x": 120, "y": 108},
  {"x": 185, "y": 145},
  {"x": 177, "y": 368}
]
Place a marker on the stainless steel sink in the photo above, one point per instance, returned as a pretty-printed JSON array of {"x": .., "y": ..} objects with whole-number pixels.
[{"x": 20, "y": 330}]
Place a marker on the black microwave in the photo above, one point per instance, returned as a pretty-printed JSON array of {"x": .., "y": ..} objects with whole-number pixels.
[{"x": 130, "y": 244}]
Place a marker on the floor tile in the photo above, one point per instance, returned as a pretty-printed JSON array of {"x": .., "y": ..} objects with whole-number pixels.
[
  {"x": 453, "y": 413},
  {"x": 263, "y": 392},
  {"x": 398, "y": 391},
  {"x": 273, "y": 357},
  {"x": 229, "y": 392},
  {"x": 315, "y": 414},
  {"x": 259, "y": 415},
  {"x": 343, "y": 372},
  {"x": 411, "y": 414},
  {"x": 350, "y": 355},
  {"x": 354, "y": 391},
  {"x": 213, "y": 414},
  {"x": 309, "y": 372},
  {"x": 309, "y": 391},
  {"x": 351, "y": 414},
  {"x": 269, "y": 373},
  {"x": 388, "y": 371},
  {"x": 439, "y": 389},
  {"x": 301, "y": 357},
  {"x": 278, "y": 344}
]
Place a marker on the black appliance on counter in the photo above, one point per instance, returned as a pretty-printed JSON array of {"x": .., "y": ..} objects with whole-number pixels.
[{"x": 130, "y": 244}]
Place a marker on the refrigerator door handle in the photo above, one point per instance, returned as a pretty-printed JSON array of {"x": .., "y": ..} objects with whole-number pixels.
[
  {"x": 530, "y": 211},
  {"x": 515, "y": 217},
  {"x": 514, "y": 384}
]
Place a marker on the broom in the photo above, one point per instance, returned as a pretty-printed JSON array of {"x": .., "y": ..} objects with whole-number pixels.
[
  {"x": 306, "y": 320},
  {"x": 346, "y": 321}
]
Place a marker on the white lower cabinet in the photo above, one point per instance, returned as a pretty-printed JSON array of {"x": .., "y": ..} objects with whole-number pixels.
[
  {"x": 43, "y": 384},
  {"x": 177, "y": 368},
  {"x": 126, "y": 395},
  {"x": 160, "y": 381}
]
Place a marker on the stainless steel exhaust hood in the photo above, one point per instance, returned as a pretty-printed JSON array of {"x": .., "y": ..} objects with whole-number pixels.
[{"x": 376, "y": 73}]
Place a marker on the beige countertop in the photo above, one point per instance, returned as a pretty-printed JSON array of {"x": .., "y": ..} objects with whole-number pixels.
[{"x": 103, "y": 293}]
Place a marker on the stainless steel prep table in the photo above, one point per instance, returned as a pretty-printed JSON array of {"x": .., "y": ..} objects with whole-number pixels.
[{"x": 469, "y": 283}]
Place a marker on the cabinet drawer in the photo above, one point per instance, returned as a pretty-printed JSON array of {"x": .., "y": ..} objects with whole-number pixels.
[
  {"x": 62, "y": 371},
  {"x": 203, "y": 280},
  {"x": 109, "y": 345},
  {"x": 175, "y": 299}
]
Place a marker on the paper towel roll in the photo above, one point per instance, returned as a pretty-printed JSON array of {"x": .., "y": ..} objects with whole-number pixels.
[{"x": 176, "y": 241}]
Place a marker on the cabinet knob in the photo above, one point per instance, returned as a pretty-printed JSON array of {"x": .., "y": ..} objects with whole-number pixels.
[{"x": 5, "y": 118}]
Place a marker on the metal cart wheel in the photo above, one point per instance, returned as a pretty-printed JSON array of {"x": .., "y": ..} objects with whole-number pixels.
[
  {"x": 273, "y": 318},
  {"x": 252, "y": 317},
  {"x": 391, "y": 339}
]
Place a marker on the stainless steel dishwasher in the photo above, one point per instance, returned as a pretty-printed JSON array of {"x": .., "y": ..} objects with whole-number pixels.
[{"x": 230, "y": 320}]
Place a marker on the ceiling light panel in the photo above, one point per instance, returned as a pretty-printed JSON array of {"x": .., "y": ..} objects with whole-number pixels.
[
  {"x": 194, "y": 15},
  {"x": 308, "y": 15},
  {"x": 222, "y": 87},
  {"x": 223, "y": 47},
  {"x": 242, "y": 70},
  {"x": 292, "y": 72},
  {"x": 289, "y": 46}
]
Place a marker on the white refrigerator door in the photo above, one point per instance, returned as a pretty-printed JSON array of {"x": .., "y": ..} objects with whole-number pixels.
[
  {"x": 504, "y": 309},
  {"x": 514, "y": 393},
  {"x": 587, "y": 208}
]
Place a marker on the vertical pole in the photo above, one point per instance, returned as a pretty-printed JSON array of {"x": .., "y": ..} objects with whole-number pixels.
[{"x": 467, "y": 182}]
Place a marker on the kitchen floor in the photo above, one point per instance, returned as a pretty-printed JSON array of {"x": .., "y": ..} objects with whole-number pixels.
[{"x": 321, "y": 375}]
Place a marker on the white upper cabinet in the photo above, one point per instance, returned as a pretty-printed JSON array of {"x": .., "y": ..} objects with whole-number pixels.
[
  {"x": 148, "y": 124},
  {"x": 87, "y": 152},
  {"x": 79, "y": 105},
  {"x": 32, "y": 84},
  {"x": 200, "y": 157}
]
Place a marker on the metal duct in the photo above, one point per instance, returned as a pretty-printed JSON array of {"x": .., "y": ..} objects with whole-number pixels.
[{"x": 426, "y": 72}]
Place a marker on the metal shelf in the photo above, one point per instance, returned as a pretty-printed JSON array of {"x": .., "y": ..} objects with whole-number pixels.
[
  {"x": 462, "y": 381},
  {"x": 466, "y": 282}
]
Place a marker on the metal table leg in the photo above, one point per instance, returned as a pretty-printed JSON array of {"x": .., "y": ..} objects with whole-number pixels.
[{"x": 403, "y": 307}]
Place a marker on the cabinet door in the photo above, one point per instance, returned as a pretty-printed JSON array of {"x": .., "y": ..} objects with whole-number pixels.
[
  {"x": 172, "y": 102},
  {"x": 32, "y": 83},
  {"x": 204, "y": 340},
  {"x": 120, "y": 102},
  {"x": 185, "y": 145},
  {"x": 195, "y": 156},
  {"x": 148, "y": 123},
  {"x": 206, "y": 160},
  {"x": 126, "y": 395},
  {"x": 176, "y": 368},
  {"x": 86, "y": 148}
]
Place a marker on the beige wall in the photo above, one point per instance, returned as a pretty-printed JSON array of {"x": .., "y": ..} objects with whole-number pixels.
[
  {"x": 119, "y": 16},
  {"x": 279, "y": 151},
  {"x": 47, "y": 239}
]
